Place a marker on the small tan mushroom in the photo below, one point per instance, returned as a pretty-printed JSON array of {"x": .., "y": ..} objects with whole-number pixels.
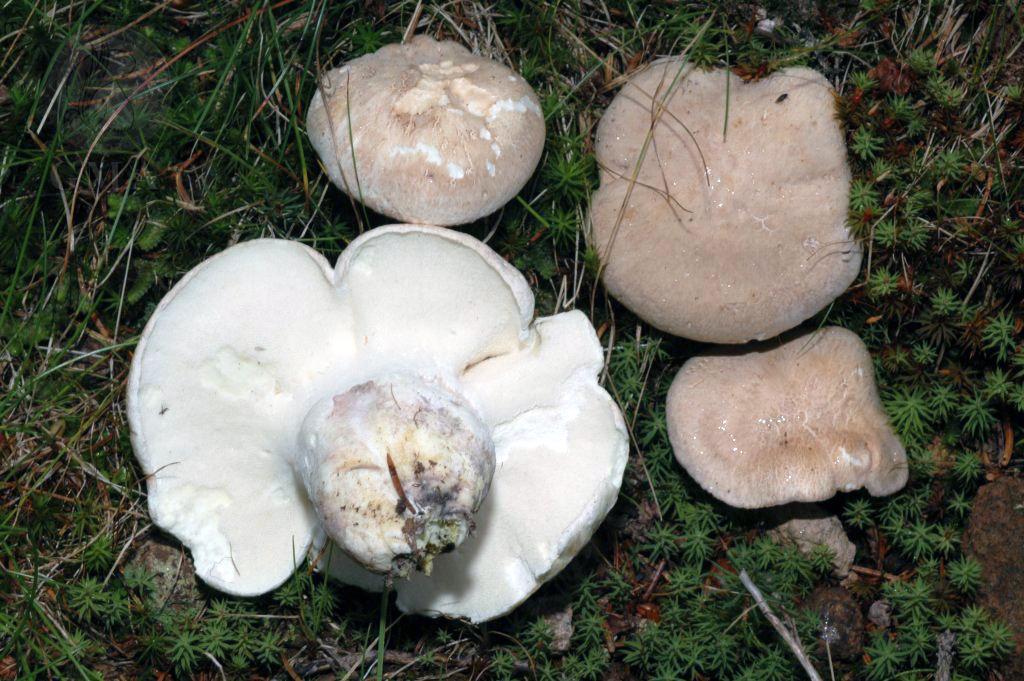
[
  {"x": 796, "y": 421},
  {"x": 727, "y": 222},
  {"x": 440, "y": 136}
]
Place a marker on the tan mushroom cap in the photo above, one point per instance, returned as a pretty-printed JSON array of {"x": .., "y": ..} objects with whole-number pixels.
[
  {"x": 796, "y": 421},
  {"x": 441, "y": 136},
  {"x": 723, "y": 240}
]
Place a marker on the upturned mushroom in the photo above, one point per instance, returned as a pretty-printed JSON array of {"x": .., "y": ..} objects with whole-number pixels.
[
  {"x": 788, "y": 421},
  {"x": 399, "y": 413},
  {"x": 427, "y": 132},
  {"x": 721, "y": 214}
]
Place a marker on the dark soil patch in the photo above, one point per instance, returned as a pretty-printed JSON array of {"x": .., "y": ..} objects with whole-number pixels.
[
  {"x": 995, "y": 538},
  {"x": 842, "y": 624}
]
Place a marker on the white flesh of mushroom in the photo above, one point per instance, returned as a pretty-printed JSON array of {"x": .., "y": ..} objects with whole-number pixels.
[{"x": 268, "y": 387}]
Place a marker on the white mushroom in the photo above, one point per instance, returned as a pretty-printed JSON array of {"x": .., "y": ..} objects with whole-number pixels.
[
  {"x": 721, "y": 214},
  {"x": 440, "y": 136},
  {"x": 400, "y": 404}
]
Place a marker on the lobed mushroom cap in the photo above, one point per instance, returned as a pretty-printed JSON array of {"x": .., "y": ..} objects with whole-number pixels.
[
  {"x": 245, "y": 344},
  {"x": 723, "y": 237},
  {"x": 793, "y": 421},
  {"x": 441, "y": 136}
]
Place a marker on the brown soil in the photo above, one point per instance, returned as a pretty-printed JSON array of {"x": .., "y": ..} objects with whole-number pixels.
[{"x": 995, "y": 538}]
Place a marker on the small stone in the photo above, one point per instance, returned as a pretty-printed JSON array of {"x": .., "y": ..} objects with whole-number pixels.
[
  {"x": 880, "y": 614},
  {"x": 812, "y": 528},
  {"x": 842, "y": 625},
  {"x": 174, "y": 577},
  {"x": 560, "y": 624},
  {"x": 766, "y": 27}
]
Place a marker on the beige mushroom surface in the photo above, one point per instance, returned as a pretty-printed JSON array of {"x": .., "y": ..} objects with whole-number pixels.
[
  {"x": 788, "y": 421},
  {"x": 401, "y": 410},
  {"x": 722, "y": 206},
  {"x": 427, "y": 132}
]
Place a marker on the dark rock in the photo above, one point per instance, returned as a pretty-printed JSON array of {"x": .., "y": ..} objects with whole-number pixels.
[
  {"x": 842, "y": 625},
  {"x": 995, "y": 538},
  {"x": 618, "y": 672},
  {"x": 174, "y": 577}
]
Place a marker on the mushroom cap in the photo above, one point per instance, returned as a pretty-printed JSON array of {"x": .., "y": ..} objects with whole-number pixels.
[
  {"x": 242, "y": 348},
  {"x": 796, "y": 421},
  {"x": 442, "y": 136},
  {"x": 728, "y": 239}
]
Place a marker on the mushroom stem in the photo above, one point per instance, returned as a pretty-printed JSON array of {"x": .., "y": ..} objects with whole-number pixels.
[{"x": 396, "y": 468}]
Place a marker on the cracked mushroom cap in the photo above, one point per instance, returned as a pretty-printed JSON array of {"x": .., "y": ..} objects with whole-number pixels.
[
  {"x": 796, "y": 421},
  {"x": 253, "y": 348},
  {"x": 441, "y": 136},
  {"x": 723, "y": 238}
]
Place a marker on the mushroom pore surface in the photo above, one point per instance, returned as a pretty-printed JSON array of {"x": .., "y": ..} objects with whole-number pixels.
[
  {"x": 721, "y": 214},
  {"x": 427, "y": 132},
  {"x": 395, "y": 469},
  {"x": 792, "y": 421}
]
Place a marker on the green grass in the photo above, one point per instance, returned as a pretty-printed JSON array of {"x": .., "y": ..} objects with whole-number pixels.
[{"x": 137, "y": 139}]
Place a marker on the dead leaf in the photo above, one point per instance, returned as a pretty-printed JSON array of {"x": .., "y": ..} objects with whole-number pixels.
[{"x": 891, "y": 77}]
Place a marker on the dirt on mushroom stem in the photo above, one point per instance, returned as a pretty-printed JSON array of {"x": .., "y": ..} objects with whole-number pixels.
[{"x": 396, "y": 468}]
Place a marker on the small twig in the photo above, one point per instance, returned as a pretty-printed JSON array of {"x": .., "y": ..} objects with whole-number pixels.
[
  {"x": 126, "y": 27},
  {"x": 944, "y": 658},
  {"x": 217, "y": 664},
  {"x": 410, "y": 30},
  {"x": 654, "y": 580},
  {"x": 977, "y": 280},
  {"x": 871, "y": 572},
  {"x": 397, "y": 483},
  {"x": 788, "y": 636}
]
